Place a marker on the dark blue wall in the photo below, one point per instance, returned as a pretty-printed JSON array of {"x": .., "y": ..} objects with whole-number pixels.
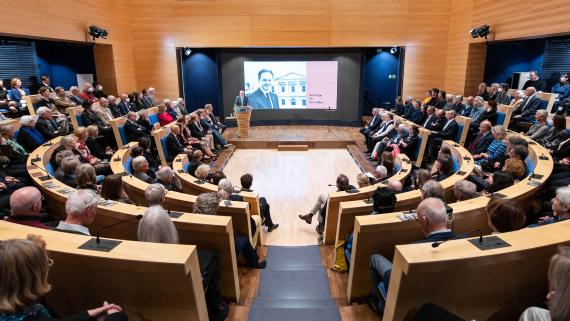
[
  {"x": 62, "y": 61},
  {"x": 505, "y": 58},
  {"x": 201, "y": 79},
  {"x": 378, "y": 88}
]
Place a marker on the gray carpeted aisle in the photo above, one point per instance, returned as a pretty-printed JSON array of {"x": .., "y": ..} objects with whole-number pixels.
[{"x": 294, "y": 287}]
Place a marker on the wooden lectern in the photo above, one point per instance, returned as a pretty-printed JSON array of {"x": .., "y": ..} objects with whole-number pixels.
[{"x": 243, "y": 116}]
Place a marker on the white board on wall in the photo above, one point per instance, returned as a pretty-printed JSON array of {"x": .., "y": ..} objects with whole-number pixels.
[{"x": 83, "y": 78}]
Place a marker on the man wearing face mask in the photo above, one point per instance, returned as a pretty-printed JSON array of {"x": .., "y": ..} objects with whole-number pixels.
[
  {"x": 124, "y": 104},
  {"x": 87, "y": 93},
  {"x": 98, "y": 92},
  {"x": 62, "y": 102},
  {"x": 502, "y": 96}
]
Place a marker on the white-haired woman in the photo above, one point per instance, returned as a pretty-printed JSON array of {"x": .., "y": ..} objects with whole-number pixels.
[
  {"x": 29, "y": 136},
  {"x": 156, "y": 226}
]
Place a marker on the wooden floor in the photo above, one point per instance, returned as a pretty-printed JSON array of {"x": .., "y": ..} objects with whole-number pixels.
[{"x": 291, "y": 182}]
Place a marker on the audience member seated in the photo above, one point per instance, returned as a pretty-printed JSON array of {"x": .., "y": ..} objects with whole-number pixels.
[
  {"x": 432, "y": 216},
  {"x": 8, "y": 185},
  {"x": 68, "y": 169},
  {"x": 206, "y": 122},
  {"x": 482, "y": 91},
  {"x": 67, "y": 143},
  {"x": 539, "y": 130},
  {"x": 115, "y": 111},
  {"x": 526, "y": 110},
  {"x": 93, "y": 145},
  {"x": 362, "y": 180},
  {"x": 195, "y": 162},
  {"x": 320, "y": 207},
  {"x": 125, "y": 105},
  {"x": 443, "y": 166},
  {"x": 422, "y": 176},
  {"x": 17, "y": 93},
  {"x": 75, "y": 95},
  {"x": 25, "y": 206},
  {"x": 80, "y": 210},
  {"x": 468, "y": 108},
  {"x": 504, "y": 215},
  {"x": 101, "y": 167},
  {"x": 207, "y": 203},
  {"x": 24, "y": 271},
  {"x": 395, "y": 185},
  {"x": 464, "y": 190},
  {"x": 430, "y": 119},
  {"x": 384, "y": 201},
  {"x": 517, "y": 99},
  {"x": 168, "y": 179},
  {"x": 374, "y": 123},
  {"x": 104, "y": 112},
  {"x": 87, "y": 93},
  {"x": 59, "y": 156},
  {"x": 516, "y": 168},
  {"x": 556, "y": 135},
  {"x": 185, "y": 137},
  {"x": 394, "y": 138},
  {"x": 28, "y": 135},
  {"x": 448, "y": 132},
  {"x": 155, "y": 194},
  {"x": 210, "y": 110},
  {"x": 388, "y": 161},
  {"x": 246, "y": 181},
  {"x": 12, "y": 109},
  {"x": 89, "y": 117},
  {"x": 62, "y": 102},
  {"x": 86, "y": 178},
  {"x": 164, "y": 117},
  {"x": 503, "y": 96},
  {"x": 156, "y": 226},
  {"x": 385, "y": 128},
  {"x": 380, "y": 174},
  {"x": 560, "y": 207},
  {"x": 535, "y": 82},
  {"x": 499, "y": 181},
  {"x": 496, "y": 149},
  {"x": 47, "y": 126},
  {"x": 203, "y": 172},
  {"x": 216, "y": 177},
  {"x": 49, "y": 103},
  {"x": 173, "y": 145},
  {"x": 11, "y": 148},
  {"x": 144, "y": 121},
  {"x": 112, "y": 189},
  {"x": 417, "y": 116},
  {"x": 140, "y": 167},
  {"x": 559, "y": 291},
  {"x": 199, "y": 132},
  {"x": 409, "y": 144},
  {"x": 134, "y": 130}
]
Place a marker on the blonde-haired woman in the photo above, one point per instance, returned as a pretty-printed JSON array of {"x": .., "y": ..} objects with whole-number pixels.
[
  {"x": 559, "y": 291},
  {"x": 101, "y": 167},
  {"x": 17, "y": 93},
  {"x": 24, "y": 274}
]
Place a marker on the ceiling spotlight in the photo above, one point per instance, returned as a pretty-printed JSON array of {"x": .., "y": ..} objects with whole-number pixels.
[
  {"x": 187, "y": 51},
  {"x": 482, "y": 31},
  {"x": 97, "y": 32},
  {"x": 394, "y": 50}
]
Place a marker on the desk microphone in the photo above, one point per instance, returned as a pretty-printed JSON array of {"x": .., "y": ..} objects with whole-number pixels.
[
  {"x": 98, "y": 234},
  {"x": 460, "y": 236},
  {"x": 332, "y": 184},
  {"x": 531, "y": 175},
  {"x": 49, "y": 143}
]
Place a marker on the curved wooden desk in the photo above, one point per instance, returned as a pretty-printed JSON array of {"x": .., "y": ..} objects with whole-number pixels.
[
  {"x": 495, "y": 284},
  {"x": 210, "y": 232},
  {"x": 151, "y": 281},
  {"x": 192, "y": 185},
  {"x": 407, "y": 200},
  {"x": 335, "y": 198},
  {"x": 380, "y": 233}
]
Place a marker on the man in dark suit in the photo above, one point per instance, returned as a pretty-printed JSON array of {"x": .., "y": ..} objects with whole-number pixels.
[
  {"x": 431, "y": 118},
  {"x": 527, "y": 109},
  {"x": 123, "y": 105},
  {"x": 46, "y": 125},
  {"x": 409, "y": 144},
  {"x": 114, "y": 108},
  {"x": 394, "y": 138},
  {"x": 432, "y": 217},
  {"x": 448, "y": 132},
  {"x": 416, "y": 114},
  {"x": 263, "y": 97},
  {"x": 467, "y": 108},
  {"x": 173, "y": 145},
  {"x": 535, "y": 82},
  {"x": 483, "y": 139},
  {"x": 133, "y": 130},
  {"x": 241, "y": 99},
  {"x": 373, "y": 125}
]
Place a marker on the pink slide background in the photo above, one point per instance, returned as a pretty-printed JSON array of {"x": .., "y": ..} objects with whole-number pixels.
[{"x": 321, "y": 84}]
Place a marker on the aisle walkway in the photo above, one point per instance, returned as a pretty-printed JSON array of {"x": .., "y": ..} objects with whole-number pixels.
[{"x": 294, "y": 287}]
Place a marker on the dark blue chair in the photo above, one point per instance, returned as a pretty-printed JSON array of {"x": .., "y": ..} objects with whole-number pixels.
[{"x": 129, "y": 165}]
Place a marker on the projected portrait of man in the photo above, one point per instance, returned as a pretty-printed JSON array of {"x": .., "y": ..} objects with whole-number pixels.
[{"x": 263, "y": 97}]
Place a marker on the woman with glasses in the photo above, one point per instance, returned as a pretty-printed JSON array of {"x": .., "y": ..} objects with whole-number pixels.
[{"x": 24, "y": 274}]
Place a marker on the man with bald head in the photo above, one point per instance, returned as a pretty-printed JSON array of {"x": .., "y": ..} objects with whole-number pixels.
[
  {"x": 432, "y": 218},
  {"x": 25, "y": 205},
  {"x": 483, "y": 139},
  {"x": 395, "y": 185}
]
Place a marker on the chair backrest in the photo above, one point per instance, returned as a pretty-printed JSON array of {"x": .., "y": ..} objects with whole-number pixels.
[
  {"x": 129, "y": 165},
  {"x": 49, "y": 169},
  {"x": 504, "y": 113},
  {"x": 462, "y": 130},
  {"x": 118, "y": 125},
  {"x": 454, "y": 164},
  {"x": 160, "y": 135},
  {"x": 75, "y": 116},
  {"x": 529, "y": 166}
]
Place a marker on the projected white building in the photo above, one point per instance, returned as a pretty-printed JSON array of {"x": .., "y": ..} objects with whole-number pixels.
[{"x": 291, "y": 90}]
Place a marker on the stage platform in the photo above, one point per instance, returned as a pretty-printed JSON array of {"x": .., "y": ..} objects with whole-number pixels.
[{"x": 263, "y": 137}]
